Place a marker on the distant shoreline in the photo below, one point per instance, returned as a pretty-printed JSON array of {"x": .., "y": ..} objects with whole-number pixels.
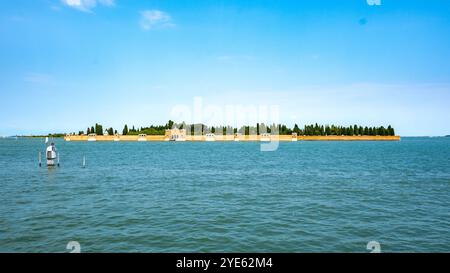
[{"x": 244, "y": 138}]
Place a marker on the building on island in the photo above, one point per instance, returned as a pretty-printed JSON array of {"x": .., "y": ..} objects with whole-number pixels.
[
  {"x": 210, "y": 137},
  {"x": 175, "y": 135},
  {"x": 265, "y": 137},
  {"x": 237, "y": 137}
]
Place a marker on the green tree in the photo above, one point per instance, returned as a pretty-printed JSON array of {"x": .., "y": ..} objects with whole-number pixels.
[
  {"x": 296, "y": 129},
  {"x": 125, "y": 130},
  {"x": 366, "y": 131},
  {"x": 98, "y": 129},
  {"x": 391, "y": 131},
  {"x": 169, "y": 125}
]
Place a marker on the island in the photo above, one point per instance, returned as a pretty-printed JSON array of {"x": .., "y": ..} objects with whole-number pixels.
[{"x": 172, "y": 131}]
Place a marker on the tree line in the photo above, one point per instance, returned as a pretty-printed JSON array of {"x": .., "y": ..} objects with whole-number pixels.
[
  {"x": 260, "y": 128},
  {"x": 355, "y": 130}
]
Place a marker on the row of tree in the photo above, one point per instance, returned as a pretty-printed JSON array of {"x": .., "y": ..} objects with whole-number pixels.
[
  {"x": 98, "y": 130},
  {"x": 260, "y": 128},
  {"x": 329, "y": 130}
]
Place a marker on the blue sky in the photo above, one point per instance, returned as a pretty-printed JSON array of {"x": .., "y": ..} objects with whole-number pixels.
[{"x": 66, "y": 64}]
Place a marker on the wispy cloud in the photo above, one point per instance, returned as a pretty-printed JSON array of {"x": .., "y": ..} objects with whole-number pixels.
[
  {"x": 87, "y": 5},
  {"x": 152, "y": 19}
]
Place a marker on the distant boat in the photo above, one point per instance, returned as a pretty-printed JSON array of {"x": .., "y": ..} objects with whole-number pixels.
[
  {"x": 210, "y": 137},
  {"x": 265, "y": 137},
  {"x": 142, "y": 137},
  {"x": 46, "y": 140},
  {"x": 92, "y": 137}
]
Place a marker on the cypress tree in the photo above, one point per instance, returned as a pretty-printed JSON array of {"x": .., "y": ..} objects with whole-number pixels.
[
  {"x": 169, "y": 124},
  {"x": 390, "y": 130},
  {"x": 296, "y": 129},
  {"x": 98, "y": 129}
]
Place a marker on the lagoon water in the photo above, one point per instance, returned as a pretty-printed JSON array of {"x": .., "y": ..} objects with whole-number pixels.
[{"x": 227, "y": 197}]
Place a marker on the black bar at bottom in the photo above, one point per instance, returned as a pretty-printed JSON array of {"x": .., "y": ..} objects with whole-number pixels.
[{"x": 179, "y": 262}]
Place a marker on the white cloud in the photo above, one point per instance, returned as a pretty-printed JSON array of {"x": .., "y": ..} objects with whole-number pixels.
[
  {"x": 151, "y": 19},
  {"x": 87, "y": 5}
]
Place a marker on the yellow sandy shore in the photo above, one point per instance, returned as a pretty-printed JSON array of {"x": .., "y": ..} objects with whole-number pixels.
[
  {"x": 349, "y": 138},
  {"x": 232, "y": 138}
]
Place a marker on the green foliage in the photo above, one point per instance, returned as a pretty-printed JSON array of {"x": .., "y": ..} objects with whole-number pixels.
[
  {"x": 98, "y": 129},
  {"x": 260, "y": 128}
]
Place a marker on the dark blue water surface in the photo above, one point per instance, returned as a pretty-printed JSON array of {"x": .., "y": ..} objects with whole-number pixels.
[{"x": 227, "y": 197}]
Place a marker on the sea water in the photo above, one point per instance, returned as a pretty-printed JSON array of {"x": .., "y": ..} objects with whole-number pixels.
[{"x": 226, "y": 197}]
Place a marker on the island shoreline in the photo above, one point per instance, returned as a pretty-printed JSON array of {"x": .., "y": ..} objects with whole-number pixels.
[{"x": 227, "y": 138}]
